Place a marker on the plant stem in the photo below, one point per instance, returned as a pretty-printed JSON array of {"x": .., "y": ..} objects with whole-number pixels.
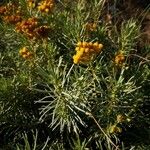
[{"x": 90, "y": 115}]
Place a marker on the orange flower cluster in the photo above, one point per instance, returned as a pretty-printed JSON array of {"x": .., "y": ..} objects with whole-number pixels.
[
  {"x": 24, "y": 52},
  {"x": 13, "y": 19},
  {"x": 7, "y": 9},
  {"x": 32, "y": 29},
  {"x": 85, "y": 51},
  {"x": 46, "y": 6},
  {"x": 11, "y": 13},
  {"x": 119, "y": 58},
  {"x": 27, "y": 27},
  {"x": 3, "y": 10}
]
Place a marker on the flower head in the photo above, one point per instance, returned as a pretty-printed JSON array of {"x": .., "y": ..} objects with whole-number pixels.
[
  {"x": 119, "y": 58},
  {"x": 85, "y": 51},
  {"x": 32, "y": 28},
  {"x": 10, "y": 13},
  {"x": 46, "y": 6},
  {"x": 24, "y": 52},
  {"x": 27, "y": 27},
  {"x": 12, "y": 19}
]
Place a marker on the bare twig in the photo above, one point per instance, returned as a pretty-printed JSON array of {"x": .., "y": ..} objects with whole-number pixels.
[{"x": 90, "y": 115}]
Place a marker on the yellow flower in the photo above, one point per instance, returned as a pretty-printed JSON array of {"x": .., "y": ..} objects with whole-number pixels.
[
  {"x": 46, "y": 6},
  {"x": 77, "y": 48},
  {"x": 97, "y": 46},
  {"x": 81, "y": 51},
  {"x": 25, "y": 56},
  {"x": 84, "y": 44},
  {"x": 76, "y": 59},
  {"x": 79, "y": 44},
  {"x": 85, "y": 51},
  {"x": 90, "y": 45},
  {"x": 24, "y": 52}
]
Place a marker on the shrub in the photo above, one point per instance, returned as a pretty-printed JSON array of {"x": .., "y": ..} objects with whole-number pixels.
[{"x": 76, "y": 78}]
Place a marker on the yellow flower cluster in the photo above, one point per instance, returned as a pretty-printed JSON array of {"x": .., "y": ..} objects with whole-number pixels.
[
  {"x": 32, "y": 29},
  {"x": 119, "y": 58},
  {"x": 46, "y": 6},
  {"x": 24, "y": 52},
  {"x": 85, "y": 51}
]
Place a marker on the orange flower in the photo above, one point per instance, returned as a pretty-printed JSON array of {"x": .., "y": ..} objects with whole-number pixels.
[
  {"x": 10, "y": 9},
  {"x": 32, "y": 29},
  {"x": 3, "y": 10},
  {"x": 13, "y": 19},
  {"x": 27, "y": 27},
  {"x": 119, "y": 59}
]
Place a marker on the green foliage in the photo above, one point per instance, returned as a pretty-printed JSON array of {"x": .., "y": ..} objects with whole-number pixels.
[{"x": 92, "y": 105}]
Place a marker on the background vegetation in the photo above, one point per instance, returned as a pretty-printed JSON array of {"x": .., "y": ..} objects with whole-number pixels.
[{"x": 73, "y": 75}]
